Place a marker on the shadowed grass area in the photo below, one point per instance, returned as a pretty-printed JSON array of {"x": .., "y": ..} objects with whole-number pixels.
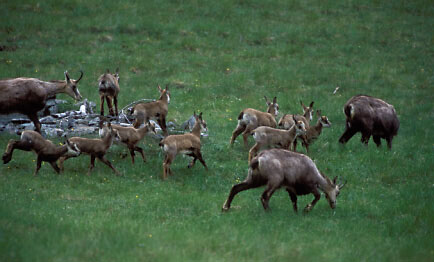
[{"x": 220, "y": 57}]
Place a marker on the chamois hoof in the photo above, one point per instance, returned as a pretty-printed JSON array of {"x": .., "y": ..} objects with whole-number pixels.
[{"x": 6, "y": 158}]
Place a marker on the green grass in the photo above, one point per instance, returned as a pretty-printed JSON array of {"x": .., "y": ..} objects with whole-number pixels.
[{"x": 220, "y": 57}]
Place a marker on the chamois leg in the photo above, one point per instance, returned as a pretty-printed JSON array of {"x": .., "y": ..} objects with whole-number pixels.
[
  {"x": 61, "y": 160},
  {"x": 35, "y": 120},
  {"x": 199, "y": 156},
  {"x": 246, "y": 134},
  {"x": 166, "y": 165},
  {"x": 115, "y": 101},
  {"x": 12, "y": 145},
  {"x": 389, "y": 142},
  {"x": 347, "y": 135},
  {"x": 131, "y": 149},
  {"x": 92, "y": 164},
  {"x": 105, "y": 161},
  {"x": 38, "y": 165},
  {"x": 311, "y": 205},
  {"x": 55, "y": 167},
  {"x": 365, "y": 137},
  {"x": 237, "y": 132},
  {"x": 109, "y": 105},
  {"x": 253, "y": 151},
  {"x": 293, "y": 199},
  {"x": 265, "y": 198},
  {"x": 102, "y": 105},
  {"x": 245, "y": 185},
  {"x": 377, "y": 140},
  {"x": 162, "y": 122},
  {"x": 140, "y": 150}
]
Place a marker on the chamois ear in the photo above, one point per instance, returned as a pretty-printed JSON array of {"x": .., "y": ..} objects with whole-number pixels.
[
  {"x": 266, "y": 100},
  {"x": 200, "y": 115},
  {"x": 293, "y": 118},
  {"x": 159, "y": 88},
  {"x": 334, "y": 180},
  {"x": 167, "y": 87},
  {"x": 318, "y": 113},
  {"x": 274, "y": 99},
  {"x": 68, "y": 79},
  {"x": 311, "y": 104},
  {"x": 301, "y": 103}
]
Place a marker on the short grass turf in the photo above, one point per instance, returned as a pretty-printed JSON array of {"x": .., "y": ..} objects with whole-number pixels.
[{"x": 219, "y": 57}]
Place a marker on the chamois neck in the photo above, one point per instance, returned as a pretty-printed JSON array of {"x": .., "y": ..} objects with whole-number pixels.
[
  {"x": 291, "y": 131},
  {"x": 318, "y": 126},
  {"x": 196, "y": 129},
  {"x": 55, "y": 87},
  {"x": 142, "y": 131},
  {"x": 60, "y": 150},
  {"x": 323, "y": 183},
  {"x": 163, "y": 97}
]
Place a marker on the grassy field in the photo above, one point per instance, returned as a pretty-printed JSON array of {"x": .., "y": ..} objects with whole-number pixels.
[{"x": 219, "y": 57}]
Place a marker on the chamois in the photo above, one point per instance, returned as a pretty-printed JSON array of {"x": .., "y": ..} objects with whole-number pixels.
[
  {"x": 286, "y": 121},
  {"x": 370, "y": 116},
  {"x": 313, "y": 132},
  {"x": 109, "y": 89},
  {"x": 156, "y": 109},
  {"x": 96, "y": 148},
  {"x": 29, "y": 95},
  {"x": 295, "y": 172},
  {"x": 130, "y": 137},
  {"x": 250, "y": 119},
  {"x": 188, "y": 144},
  {"x": 44, "y": 149},
  {"x": 268, "y": 136}
]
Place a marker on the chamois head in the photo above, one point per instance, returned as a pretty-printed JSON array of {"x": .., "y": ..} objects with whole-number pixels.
[
  {"x": 164, "y": 92},
  {"x": 333, "y": 191},
  {"x": 73, "y": 150},
  {"x": 201, "y": 122},
  {"x": 71, "y": 86},
  {"x": 323, "y": 119},
  {"x": 300, "y": 127},
  {"x": 273, "y": 108},
  {"x": 307, "y": 110}
]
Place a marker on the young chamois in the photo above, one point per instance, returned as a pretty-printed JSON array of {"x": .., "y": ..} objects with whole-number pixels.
[
  {"x": 286, "y": 121},
  {"x": 313, "y": 132},
  {"x": 370, "y": 116},
  {"x": 295, "y": 172},
  {"x": 156, "y": 109},
  {"x": 130, "y": 137},
  {"x": 29, "y": 95},
  {"x": 268, "y": 136},
  {"x": 44, "y": 149},
  {"x": 188, "y": 144},
  {"x": 96, "y": 148},
  {"x": 250, "y": 119},
  {"x": 108, "y": 85}
]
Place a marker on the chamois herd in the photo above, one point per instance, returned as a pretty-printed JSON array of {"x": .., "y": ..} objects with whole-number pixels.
[{"x": 280, "y": 166}]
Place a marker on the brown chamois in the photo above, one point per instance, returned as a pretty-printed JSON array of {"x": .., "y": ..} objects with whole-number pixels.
[
  {"x": 130, "y": 137},
  {"x": 370, "y": 116},
  {"x": 295, "y": 172},
  {"x": 96, "y": 148},
  {"x": 29, "y": 95},
  {"x": 286, "y": 121},
  {"x": 44, "y": 149},
  {"x": 250, "y": 119},
  {"x": 188, "y": 144},
  {"x": 108, "y": 86},
  {"x": 268, "y": 136},
  {"x": 313, "y": 132},
  {"x": 156, "y": 109}
]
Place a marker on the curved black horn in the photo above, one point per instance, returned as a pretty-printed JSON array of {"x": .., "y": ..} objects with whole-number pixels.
[
  {"x": 80, "y": 76},
  {"x": 342, "y": 185}
]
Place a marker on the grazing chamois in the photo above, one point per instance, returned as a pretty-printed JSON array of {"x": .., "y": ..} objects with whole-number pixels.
[
  {"x": 268, "y": 136},
  {"x": 130, "y": 137},
  {"x": 108, "y": 85},
  {"x": 295, "y": 172},
  {"x": 370, "y": 116},
  {"x": 188, "y": 144},
  {"x": 250, "y": 119},
  {"x": 29, "y": 95},
  {"x": 96, "y": 148},
  {"x": 156, "y": 109},
  {"x": 313, "y": 132},
  {"x": 44, "y": 149},
  {"x": 286, "y": 121}
]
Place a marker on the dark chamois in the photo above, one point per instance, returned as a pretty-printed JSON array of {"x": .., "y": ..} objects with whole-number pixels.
[
  {"x": 370, "y": 116},
  {"x": 108, "y": 86}
]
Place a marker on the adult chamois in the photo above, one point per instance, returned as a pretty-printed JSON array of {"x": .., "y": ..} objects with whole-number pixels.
[
  {"x": 29, "y": 95},
  {"x": 370, "y": 116},
  {"x": 297, "y": 173},
  {"x": 108, "y": 86}
]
